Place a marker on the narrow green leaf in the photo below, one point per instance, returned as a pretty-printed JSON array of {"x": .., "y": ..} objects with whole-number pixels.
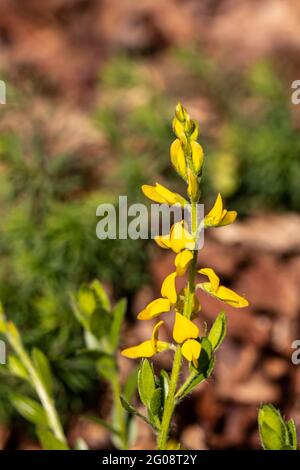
[
  {"x": 43, "y": 369},
  {"x": 130, "y": 384},
  {"x": 103, "y": 423},
  {"x": 155, "y": 404},
  {"x": 86, "y": 300},
  {"x": 118, "y": 315},
  {"x": 165, "y": 384},
  {"x": 16, "y": 367},
  {"x": 146, "y": 382},
  {"x": 28, "y": 408},
  {"x": 130, "y": 409},
  {"x": 101, "y": 295},
  {"x": 48, "y": 441},
  {"x": 292, "y": 432},
  {"x": 218, "y": 331}
]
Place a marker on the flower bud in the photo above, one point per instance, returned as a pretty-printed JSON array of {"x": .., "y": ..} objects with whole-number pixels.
[
  {"x": 197, "y": 156},
  {"x": 180, "y": 112},
  {"x": 178, "y": 158},
  {"x": 193, "y": 186}
]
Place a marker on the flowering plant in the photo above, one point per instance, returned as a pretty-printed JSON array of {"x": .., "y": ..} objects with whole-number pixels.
[{"x": 160, "y": 395}]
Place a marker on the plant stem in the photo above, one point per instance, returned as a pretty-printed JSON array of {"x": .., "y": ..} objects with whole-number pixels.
[
  {"x": 46, "y": 400},
  {"x": 170, "y": 402},
  {"x": 187, "y": 312}
]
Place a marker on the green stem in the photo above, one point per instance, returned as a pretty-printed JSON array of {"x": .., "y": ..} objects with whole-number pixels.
[
  {"x": 46, "y": 400},
  {"x": 170, "y": 402}
]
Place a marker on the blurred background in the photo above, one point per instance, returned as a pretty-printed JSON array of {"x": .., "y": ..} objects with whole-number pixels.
[{"x": 91, "y": 91}]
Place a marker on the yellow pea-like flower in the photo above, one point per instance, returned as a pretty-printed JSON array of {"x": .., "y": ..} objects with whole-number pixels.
[
  {"x": 197, "y": 156},
  {"x": 163, "y": 195},
  {"x": 177, "y": 240},
  {"x": 147, "y": 348},
  {"x": 191, "y": 351},
  {"x": 164, "y": 303},
  {"x": 182, "y": 261},
  {"x": 220, "y": 292},
  {"x": 218, "y": 217},
  {"x": 178, "y": 158},
  {"x": 184, "y": 329}
]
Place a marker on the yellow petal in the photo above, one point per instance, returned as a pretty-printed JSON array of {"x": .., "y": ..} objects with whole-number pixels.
[
  {"x": 228, "y": 218},
  {"x": 178, "y": 158},
  {"x": 154, "y": 309},
  {"x": 191, "y": 351},
  {"x": 213, "y": 278},
  {"x": 225, "y": 295},
  {"x": 170, "y": 197},
  {"x": 184, "y": 329},
  {"x": 197, "y": 156},
  {"x": 144, "y": 349},
  {"x": 163, "y": 241},
  {"x": 151, "y": 193},
  {"x": 215, "y": 214},
  {"x": 231, "y": 297},
  {"x": 180, "y": 238},
  {"x": 168, "y": 288},
  {"x": 182, "y": 261},
  {"x": 154, "y": 337}
]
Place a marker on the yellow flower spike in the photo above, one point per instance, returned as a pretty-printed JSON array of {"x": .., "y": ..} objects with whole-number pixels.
[
  {"x": 182, "y": 261},
  {"x": 193, "y": 187},
  {"x": 222, "y": 293},
  {"x": 212, "y": 276},
  {"x": 168, "y": 288},
  {"x": 162, "y": 195},
  {"x": 197, "y": 156},
  {"x": 147, "y": 348},
  {"x": 154, "y": 309},
  {"x": 184, "y": 329},
  {"x": 218, "y": 217},
  {"x": 191, "y": 351},
  {"x": 178, "y": 158}
]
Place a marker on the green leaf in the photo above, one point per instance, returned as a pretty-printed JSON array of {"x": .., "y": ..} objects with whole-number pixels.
[
  {"x": 106, "y": 367},
  {"x": 28, "y": 408},
  {"x": 16, "y": 367},
  {"x": 86, "y": 300},
  {"x": 101, "y": 295},
  {"x": 118, "y": 315},
  {"x": 165, "y": 384},
  {"x": 130, "y": 384},
  {"x": 130, "y": 409},
  {"x": 155, "y": 405},
  {"x": 292, "y": 432},
  {"x": 218, "y": 331},
  {"x": 103, "y": 423},
  {"x": 272, "y": 429},
  {"x": 43, "y": 369},
  {"x": 146, "y": 382},
  {"x": 100, "y": 323},
  {"x": 48, "y": 441}
]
